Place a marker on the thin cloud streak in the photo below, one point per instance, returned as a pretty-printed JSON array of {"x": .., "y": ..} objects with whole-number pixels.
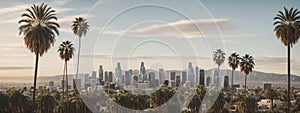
[{"x": 14, "y": 68}]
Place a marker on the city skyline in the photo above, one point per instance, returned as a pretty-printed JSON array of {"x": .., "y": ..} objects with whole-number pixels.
[{"x": 168, "y": 43}]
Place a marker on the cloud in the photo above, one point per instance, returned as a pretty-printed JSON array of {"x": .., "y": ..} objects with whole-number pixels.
[
  {"x": 14, "y": 68},
  {"x": 66, "y": 22},
  {"x": 275, "y": 62},
  {"x": 183, "y": 28}
]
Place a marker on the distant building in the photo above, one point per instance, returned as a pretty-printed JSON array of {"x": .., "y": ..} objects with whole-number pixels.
[
  {"x": 118, "y": 71},
  {"x": 236, "y": 86},
  {"x": 101, "y": 72},
  {"x": 135, "y": 81},
  {"x": 202, "y": 78},
  {"x": 143, "y": 75},
  {"x": 110, "y": 76},
  {"x": 86, "y": 78},
  {"x": 226, "y": 82},
  {"x": 208, "y": 80},
  {"x": 127, "y": 78},
  {"x": 177, "y": 79},
  {"x": 191, "y": 74},
  {"x": 94, "y": 74},
  {"x": 106, "y": 76},
  {"x": 267, "y": 86},
  {"x": 183, "y": 76},
  {"x": 152, "y": 80},
  {"x": 161, "y": 76},
  {"x": 197, "y": 75},
  {"x": 76, "y": 83},
  {"x": 172, "y": 78},
  {"x": 51, "y": 83}
]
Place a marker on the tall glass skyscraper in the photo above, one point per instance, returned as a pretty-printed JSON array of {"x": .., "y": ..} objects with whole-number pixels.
[
  {"x": 143, "y": 75},
  {"x": 100, "y": 72},
  {"x": 191, "y": 74},
  {"x": 118, "y": 71}
]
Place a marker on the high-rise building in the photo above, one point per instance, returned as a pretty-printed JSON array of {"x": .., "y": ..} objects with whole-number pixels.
[
  {"x": 51, "y": 83},
  {"x": 118, "y": 71},
  {"x": 152, "y": 79},
  {"x": 172, "y": 79},
  {"x": 161, "y": 76},
  {"x": 86, "y": 78},
  {"x": 208, "y": 80},
  {"x": 177, "y": 80},
  {"x": 216, "y": 78},
  {"x": 127, "y": 78},
  {"x": 110, "y": 76},
  {"x": 226, "y": 82},
  {"x": 76, "y": 83},
  {"x": 197, "y": 75},
  {"x": 94, "y": 74},
  {"x": 135, "y": 81},
  {"x": 202, "y": 78},
  {"x": 106, "y": 76},
  {"x": 101, "y": 72},
  {"x": 183, "y": 77},
  {"x": 191, "y": 74},
  {"x": 143, "y": 75}
]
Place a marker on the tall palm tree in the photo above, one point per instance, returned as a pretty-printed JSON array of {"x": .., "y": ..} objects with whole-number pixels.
[
  {"x": 39, "y": 28},
  {"x": 66, "y": 52},
  {"x": 233, "y": 62},
  {"x": 79, "y": 28},
  {"x": 246, "y": 65},
  {"x": 287, "y": 30},
  {"x": 219, "y": 58},
  {"x": 46, "y": 103}
]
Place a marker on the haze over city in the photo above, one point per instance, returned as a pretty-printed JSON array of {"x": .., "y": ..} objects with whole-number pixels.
[{"x": 163, "y": 34}]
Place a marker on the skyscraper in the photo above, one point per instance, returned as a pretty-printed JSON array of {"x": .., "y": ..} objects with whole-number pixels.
[
  {"x": 191, "y": 74},
  {"x": 94, "y": 74},
  {"x": 152, "y": 79},
  {"x": 118, "y": 71},
  {"x": 172, "y": 79},
  {"x": 161, "y": 76},
  {"x": 135, "y": 81},
  {"x": 100, "y": 72},
  {"x": 127, "y": 78},
  {"x": 197, "y": 75},
  {"x": 208, "y": 81},
  {"x": 202, "y": 77},
  {"x": 226, "y": 82},
  {"x": 177, "y": 80},
  {"x": 86, "y": 78},
  {"x": 106, "y": 76},
  {"x": 110, "y": 76},
  {"x": 143, "y": 75},
  {"x": 183, "y": 77}
]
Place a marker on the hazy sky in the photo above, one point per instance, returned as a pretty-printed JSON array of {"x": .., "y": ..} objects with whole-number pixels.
[{"x": 162, "y": 33}]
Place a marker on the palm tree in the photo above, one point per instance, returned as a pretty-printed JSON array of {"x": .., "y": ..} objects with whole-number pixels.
[
  {"x": 247, "y": 64},
  {"x": 66, "y": 52},
  {"x": 18, "y": 102},
  {"x": 46, "y": 103},
  {"x": 39, "y": 32},
  {"x": 233, "y": 62},
  {"x": 287, "y": 30},
  {"x": 219, "y": 58},
  {"x": 79, "y": 28}
]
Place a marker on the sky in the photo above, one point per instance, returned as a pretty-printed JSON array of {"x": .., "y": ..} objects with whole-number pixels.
[{"x": 162, "y": 33}]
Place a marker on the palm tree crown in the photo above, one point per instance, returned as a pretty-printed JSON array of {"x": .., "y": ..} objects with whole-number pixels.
[
  {"x": 80, "y": 26},
  {"x": 219, "y": 57},
  {"x": 287, "y": 26},
  {"x": 247, "y": 64},
  {"x": 66, "y": 50},
  {"x": 234, "y": 60},
  {"x": 38, "y": 28}
]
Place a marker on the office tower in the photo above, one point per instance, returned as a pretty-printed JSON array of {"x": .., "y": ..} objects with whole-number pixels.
[
  {"x": 202, "y": 78},
  {"x": 177, "y": 81},
  {"x": 226, "y": 82},
  {"x": 51, "y": 83},
  {"x": 172, "y": 78},
  {"x": 94, "y": 74},
  {"x": 197, "y": 75},
  {"x": 208, "y": 81},
  {"x": 86, "y": 78},
  {"x": 191, "y": 75},
  {"x": 106, "y": 76},
  {"x": 183, "y": 77},
  {"x": 151, "y": 79},
  {"x": 127, "y": 78},
  {"x": 161, "y": 76},
  {"x": 135, "y": 81},
  {"x": 101, "y": 73},
  {"x": 110, "y": 76},
  {"x": 118, "y": 71},
  {"x": 143, "y": 76},
  {"x": 76, "y": 83}
]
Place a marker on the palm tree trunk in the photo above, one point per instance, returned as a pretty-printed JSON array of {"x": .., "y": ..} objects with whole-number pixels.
[
  {"x": 272, "y": 105},
  {"x": 232, "y": 78},
  {"x": 289, "y": 76},
  {"x": 67, "y": 81},
  {"x": 218, "y": 77},
  {"x": 245, "y": 82},
  {"x": 79, "y": 46},
  {"x": 63, "y": 84},
  {"x": 35, "y": 80}
]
